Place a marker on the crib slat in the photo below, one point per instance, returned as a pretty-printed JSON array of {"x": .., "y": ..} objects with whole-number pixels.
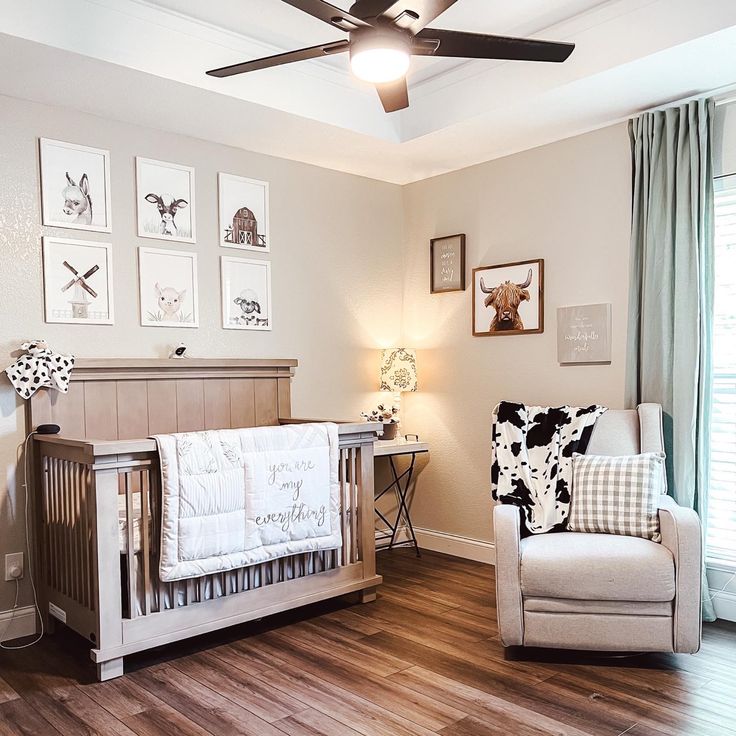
[
  {"x": 132, "y": 597},
  {"x": 145, "y": 542},
  {"x": 73, "y": 474},
  {"x": 353, "y": 505},
  {"x": 84, "y": 532},
  {"x": 343, "y": 507}
]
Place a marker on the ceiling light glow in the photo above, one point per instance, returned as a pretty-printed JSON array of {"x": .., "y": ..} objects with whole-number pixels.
[{"x": 380, "y": 65}]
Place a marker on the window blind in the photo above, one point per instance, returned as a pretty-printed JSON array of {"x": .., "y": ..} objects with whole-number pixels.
[{"x": 721, "y": 537}]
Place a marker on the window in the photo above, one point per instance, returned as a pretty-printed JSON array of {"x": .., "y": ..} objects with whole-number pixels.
[{"x": 721, "y": 542}]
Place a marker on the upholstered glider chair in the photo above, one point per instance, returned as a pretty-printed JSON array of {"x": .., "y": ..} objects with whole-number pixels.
[{"x": 603, "y": 592}]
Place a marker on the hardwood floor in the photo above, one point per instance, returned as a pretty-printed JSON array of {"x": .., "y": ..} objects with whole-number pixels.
[{"x": 423, "y": 659}]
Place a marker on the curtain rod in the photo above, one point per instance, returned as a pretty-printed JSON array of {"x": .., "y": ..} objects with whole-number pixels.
[{"x": 723, "y": 96}]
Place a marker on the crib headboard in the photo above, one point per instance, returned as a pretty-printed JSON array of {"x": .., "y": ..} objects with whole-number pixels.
[{"x": 133, "y": 398}]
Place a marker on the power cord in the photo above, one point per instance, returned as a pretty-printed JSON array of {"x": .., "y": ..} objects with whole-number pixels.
[{"x": 29, "y": 560}]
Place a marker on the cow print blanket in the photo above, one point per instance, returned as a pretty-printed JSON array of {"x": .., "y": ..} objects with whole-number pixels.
[
  {"x": 40, "y": 367},
  {"x": 532, "y": 460}
]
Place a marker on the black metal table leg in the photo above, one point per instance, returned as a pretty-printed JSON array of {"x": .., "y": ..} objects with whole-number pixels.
[{"x": 402, "y": 493}]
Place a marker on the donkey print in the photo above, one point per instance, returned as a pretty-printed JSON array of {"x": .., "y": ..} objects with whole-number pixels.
[
  {"x": 167, "y": 209},
  {"x": 77, "y": 201}
]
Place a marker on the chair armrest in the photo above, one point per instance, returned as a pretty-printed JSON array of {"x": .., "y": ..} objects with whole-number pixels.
[
  {"x": 682, "y": 536},
  {"x": 509, "y": 605}
]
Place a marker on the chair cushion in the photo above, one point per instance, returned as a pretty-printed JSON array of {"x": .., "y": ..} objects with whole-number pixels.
[{"x": 597, "y": 567}]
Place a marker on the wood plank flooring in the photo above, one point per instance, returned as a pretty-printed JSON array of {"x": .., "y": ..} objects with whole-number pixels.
[{"x": 423, "y": 659}]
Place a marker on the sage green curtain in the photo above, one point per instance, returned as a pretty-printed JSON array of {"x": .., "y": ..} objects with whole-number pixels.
[{"x": 671, "y": 297}]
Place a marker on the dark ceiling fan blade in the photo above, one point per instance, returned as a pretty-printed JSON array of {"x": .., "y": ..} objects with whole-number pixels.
[
  {"x": 321, "y": 10},
  {"x": 479, "y": 46},
  {"x": 412, "y": 15},
  {"x": 312, "y": 52},
  {"x": 394, "y": 95}
]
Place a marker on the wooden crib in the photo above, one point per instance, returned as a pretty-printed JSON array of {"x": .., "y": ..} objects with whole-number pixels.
[{"x": 97, "y": 504}]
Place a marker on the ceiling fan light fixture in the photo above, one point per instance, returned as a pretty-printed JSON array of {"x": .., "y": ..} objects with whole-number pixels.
[{"x": 380, "y": 58}]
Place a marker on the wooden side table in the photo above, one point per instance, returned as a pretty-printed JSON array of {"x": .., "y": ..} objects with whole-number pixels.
[{"x": 401, "y": 484}]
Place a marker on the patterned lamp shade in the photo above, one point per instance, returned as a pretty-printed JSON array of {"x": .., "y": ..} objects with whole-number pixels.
[{"x": 399, "y": 370}]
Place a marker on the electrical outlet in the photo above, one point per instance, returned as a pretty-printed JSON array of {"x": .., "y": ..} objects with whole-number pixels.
[{"x": 14, "y": 567}]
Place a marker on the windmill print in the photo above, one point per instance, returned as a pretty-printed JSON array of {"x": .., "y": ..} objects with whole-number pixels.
[
  {"x": 81, "y": 289},
  {"x": 77, "y": 281}
]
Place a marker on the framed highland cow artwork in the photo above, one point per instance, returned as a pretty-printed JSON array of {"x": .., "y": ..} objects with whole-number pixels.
[
  {"x": 243, "y": 205},
  {"x": 508, "y": 299}
]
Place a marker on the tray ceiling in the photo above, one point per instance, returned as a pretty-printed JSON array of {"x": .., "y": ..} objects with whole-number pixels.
[{"x": 630, "y": 55}]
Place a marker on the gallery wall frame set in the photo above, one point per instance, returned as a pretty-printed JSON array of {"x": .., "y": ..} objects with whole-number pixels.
[
  {"x": 447, "y": 264},
  {"x": 508, "y": 299},
  {"x": 78, "y": 288}
]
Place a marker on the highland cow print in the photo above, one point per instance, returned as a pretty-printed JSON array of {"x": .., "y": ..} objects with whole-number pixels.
[{"x": 532, "y": 460}]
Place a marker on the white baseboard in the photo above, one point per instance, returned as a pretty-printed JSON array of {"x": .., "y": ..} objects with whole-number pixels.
[
  {"x": 17, "y": 623},
  {"x": 724, "y": 604},
  {"x": 450, "y": 544}
]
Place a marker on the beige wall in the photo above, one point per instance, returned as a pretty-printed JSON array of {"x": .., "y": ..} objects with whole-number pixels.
[
  {"x": 350, "y": 259},
  {"x": 568, "y": 203},
  {"x": 336, "y": 242}
]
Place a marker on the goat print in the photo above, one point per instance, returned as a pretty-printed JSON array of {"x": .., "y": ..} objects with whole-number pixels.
[
  {"x": 165, "y": 196},
  {"x": 508, "y": 299},
  {"x": 75, "y": 186},
  {"x": 168, "y": 288}
]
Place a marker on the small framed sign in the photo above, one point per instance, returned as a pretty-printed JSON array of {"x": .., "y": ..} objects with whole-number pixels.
[
  {"x": 447, "y": 264},
  {"x": 584, "y": 334}
]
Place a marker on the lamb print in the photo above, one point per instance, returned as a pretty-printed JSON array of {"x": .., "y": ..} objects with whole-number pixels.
[
  {"x": 168, "y": 288},
  {"x": 246, "y": 294},
  {"x": 73, "y": 179},
  {"x": 165, "y": 195}
]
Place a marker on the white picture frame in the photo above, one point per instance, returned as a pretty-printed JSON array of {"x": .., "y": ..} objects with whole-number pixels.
[
  {"x": 75, "y": 186},
  {"x": 246, "y": 294},
  {"x": 243, "y": 206},
  {"x": 167, "y": 288},
  {"x": 77, "y": 281},
  {"x": 584, "y": 334},
  {"x": 165, "y": 201}
]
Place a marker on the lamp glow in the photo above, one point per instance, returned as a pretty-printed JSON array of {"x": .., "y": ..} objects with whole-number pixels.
[{"x": 380, "y": 65}]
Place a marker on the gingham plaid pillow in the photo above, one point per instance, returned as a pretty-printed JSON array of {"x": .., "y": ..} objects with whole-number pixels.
[{"x": 617, "y": 495}]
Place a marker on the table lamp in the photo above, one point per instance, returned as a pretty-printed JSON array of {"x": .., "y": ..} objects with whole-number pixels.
[{"x": 398, "y": 372}]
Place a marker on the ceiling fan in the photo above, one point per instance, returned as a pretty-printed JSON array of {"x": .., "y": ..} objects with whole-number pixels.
[{"x": 385, "y": 34}]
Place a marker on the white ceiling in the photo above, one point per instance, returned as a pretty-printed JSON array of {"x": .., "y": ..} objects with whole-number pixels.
[{"x": 630, "y": 55}]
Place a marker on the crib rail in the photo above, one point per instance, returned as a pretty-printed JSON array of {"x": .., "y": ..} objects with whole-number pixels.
[{"x": 99, "y": 519}]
